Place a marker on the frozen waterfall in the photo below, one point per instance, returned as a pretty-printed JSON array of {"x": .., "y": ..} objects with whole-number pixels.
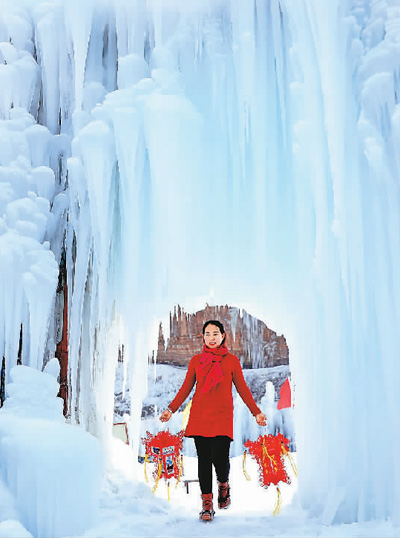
[{"x": 244, "y": 151}]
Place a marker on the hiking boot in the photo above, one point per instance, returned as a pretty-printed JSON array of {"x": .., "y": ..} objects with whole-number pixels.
[
  {"x": 224, "y": 497},
  {"x": 207, "y": 512}
]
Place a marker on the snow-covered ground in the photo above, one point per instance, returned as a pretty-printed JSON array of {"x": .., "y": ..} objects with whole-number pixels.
[
  {"x": 129, "y": 510},
  {"x": 53, "y": 483}
]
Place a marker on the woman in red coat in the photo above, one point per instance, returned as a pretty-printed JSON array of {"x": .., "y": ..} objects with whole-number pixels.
[{"x": 211, "y": 415}]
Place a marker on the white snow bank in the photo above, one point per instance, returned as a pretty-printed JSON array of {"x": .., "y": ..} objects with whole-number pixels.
[
  {"x": 33, "y": 394},
  {"x": 11, "y": 528},
  {"x": 52, "y": 469}
]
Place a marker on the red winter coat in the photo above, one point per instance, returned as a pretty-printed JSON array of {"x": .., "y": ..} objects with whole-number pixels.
[{"x": 211, "y": 413}]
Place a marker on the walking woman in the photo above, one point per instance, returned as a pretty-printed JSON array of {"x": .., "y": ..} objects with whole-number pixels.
[{"x": 211, "y": 414}]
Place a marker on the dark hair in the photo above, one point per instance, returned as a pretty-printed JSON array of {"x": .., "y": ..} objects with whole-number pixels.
[{"x": 217, "y": 324}]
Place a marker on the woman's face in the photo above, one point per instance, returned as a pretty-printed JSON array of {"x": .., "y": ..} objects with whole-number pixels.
[{"x": 213, "y": 336}]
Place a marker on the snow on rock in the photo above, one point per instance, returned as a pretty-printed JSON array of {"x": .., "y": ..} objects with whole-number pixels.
[
  {"x": 53, "y": 368},
  {"x": 33, "y": 394},
  {"x": 52, "y": 469}
]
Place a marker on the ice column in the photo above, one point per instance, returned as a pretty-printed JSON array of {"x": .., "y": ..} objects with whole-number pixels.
[
  {"x": 28, "y": 267},
  {"x": 347, "y": 204}
]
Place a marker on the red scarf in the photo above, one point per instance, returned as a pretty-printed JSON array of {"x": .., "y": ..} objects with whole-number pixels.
[{"x": 210, "y": 366}]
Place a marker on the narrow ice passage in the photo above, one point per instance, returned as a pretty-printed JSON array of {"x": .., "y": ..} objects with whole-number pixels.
[{"x": 237, "y": 152}]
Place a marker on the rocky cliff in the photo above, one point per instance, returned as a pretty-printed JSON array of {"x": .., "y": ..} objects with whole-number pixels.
[{"x": 249, "y": 338}]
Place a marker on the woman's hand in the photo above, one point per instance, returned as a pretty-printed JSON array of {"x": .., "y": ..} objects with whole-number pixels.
[
  {"x": 261, "y": 419},
  {"x": 165, "y": 415}
]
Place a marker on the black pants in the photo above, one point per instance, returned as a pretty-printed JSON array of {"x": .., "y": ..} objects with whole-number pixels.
[{"x": 212, "y": 451}]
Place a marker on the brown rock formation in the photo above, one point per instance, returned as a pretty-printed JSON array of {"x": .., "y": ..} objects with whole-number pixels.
[{"x": 250, "y": 339}]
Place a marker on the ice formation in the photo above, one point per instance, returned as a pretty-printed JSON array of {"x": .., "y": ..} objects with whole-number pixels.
[
  {"x": 242, "y": 149},
  {"x": 53, "y": 469}
]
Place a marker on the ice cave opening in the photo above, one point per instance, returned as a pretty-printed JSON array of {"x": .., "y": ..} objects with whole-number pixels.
[
  {"x": 244, "y": 151},
  {"x": 263, "y": 354}
]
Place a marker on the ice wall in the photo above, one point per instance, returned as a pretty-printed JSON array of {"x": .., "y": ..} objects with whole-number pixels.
[
  {"x": 53, "y": 470},
  {"x": 32, "y": 202},
  {"x": 344, "y": 102},
  {"x": 244, "y": 151}
]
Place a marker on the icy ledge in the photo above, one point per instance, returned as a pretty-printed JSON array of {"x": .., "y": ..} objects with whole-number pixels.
[{"x": 52, "y": 469}]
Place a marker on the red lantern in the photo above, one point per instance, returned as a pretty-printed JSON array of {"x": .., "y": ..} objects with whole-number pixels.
[
  {"x": 164, "y": 450},
  {"x": 268, "y": 451}
]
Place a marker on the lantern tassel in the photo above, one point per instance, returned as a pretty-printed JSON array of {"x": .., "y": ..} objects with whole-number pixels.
[
  {"x": 158, "y": 476},
  {"x": 290, "y": 458},
  {"x": 246, "y": 474},
  {"x": 180, "y": 465},
  {"x": 145, "y": 469},
  {"x": 278, "y": 503}
]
